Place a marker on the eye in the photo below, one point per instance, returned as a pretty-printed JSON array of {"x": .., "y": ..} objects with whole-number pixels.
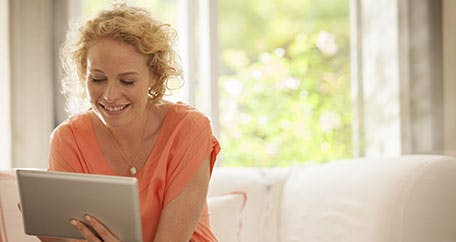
[
  {"x": 95, "y": 80},
  {"x": 127, "y": 81}
]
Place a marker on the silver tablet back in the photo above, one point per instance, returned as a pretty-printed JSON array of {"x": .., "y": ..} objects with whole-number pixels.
[{"x": 50, "y": 199}]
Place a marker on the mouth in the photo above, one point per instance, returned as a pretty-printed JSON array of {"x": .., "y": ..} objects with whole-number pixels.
[{"x": 113, "y": 109}]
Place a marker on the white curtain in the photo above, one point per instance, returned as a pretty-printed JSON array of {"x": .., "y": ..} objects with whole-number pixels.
[{"x": 398, "y": 82}]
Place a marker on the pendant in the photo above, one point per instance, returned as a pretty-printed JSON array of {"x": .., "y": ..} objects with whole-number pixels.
[{"x": 132, "y": 170}]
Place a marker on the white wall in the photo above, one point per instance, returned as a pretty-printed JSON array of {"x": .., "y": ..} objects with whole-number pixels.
[{"x": 5, "y": 110}]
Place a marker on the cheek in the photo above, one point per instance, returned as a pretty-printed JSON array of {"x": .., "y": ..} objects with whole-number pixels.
[
  {"x": 140, "y": 93},
  {"x": 139, "y": 98},
  {"x": 92, "y": 91}
]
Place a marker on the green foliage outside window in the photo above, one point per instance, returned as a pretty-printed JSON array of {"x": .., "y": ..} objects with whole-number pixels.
[{"x": 285, "y": 84}]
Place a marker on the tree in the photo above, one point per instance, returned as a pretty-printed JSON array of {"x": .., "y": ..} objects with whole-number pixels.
[{"x": 285, "y": 85}]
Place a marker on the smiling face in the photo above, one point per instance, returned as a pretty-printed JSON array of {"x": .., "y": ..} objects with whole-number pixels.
[{"x": 117, "y": 82}]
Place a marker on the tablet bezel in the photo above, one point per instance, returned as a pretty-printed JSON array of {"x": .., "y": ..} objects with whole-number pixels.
[{"x": 49, "y": 199}]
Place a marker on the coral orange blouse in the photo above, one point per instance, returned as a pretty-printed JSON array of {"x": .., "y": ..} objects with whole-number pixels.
[{"x": 184, "y": 141}]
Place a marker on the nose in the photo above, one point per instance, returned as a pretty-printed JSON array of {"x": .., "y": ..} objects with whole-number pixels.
[{"x": 112, "y": 91}]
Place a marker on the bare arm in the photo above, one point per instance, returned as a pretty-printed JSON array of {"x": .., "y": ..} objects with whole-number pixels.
[{"x": 180, "y": 216}]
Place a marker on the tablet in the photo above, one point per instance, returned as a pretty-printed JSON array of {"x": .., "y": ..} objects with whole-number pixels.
[{"x": 50, "y": 199}]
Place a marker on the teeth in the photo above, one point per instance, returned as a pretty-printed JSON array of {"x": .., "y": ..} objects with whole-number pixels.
[{"x": 114, "y": 109}]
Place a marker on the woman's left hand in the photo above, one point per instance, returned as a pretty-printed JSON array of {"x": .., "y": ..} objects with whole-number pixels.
[{"x": 100, "y": 229}]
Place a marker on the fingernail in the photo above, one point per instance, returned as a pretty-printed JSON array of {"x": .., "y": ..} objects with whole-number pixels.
[
  {"x": 73, "y": 222},
  {"x": 87, "y": 217}
]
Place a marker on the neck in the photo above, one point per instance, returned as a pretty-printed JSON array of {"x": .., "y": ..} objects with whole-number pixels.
[{"x": 131, "y": 135}]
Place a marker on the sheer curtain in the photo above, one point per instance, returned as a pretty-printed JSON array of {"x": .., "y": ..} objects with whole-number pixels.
[
  {"x": 397, "y": 77},
  {"x": 31, "y": 82}
]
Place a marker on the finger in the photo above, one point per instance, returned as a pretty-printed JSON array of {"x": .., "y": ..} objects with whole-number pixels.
[
  {"x": 102, "y": 231},
  {"x": 85, "y": 231}
]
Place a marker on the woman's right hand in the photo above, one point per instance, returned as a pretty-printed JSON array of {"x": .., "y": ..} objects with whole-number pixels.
[{"x": 103, "y": 233}]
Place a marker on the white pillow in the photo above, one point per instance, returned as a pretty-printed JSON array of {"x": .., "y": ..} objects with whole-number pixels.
[
  {"x": 225, "y": 213},
  {"x": 263, "y": 186}
]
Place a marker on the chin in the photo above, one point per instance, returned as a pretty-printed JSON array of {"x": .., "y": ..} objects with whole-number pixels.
[{"x": 111, "y": 120}]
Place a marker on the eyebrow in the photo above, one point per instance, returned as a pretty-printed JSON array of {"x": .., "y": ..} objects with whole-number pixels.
[
  {"x": 96, "y": 70},
  {"x": 128, "y": 73},
  {"x": 121, "y": 74}
]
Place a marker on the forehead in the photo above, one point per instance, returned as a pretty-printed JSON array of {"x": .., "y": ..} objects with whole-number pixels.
[{"x": 111, "y": 55}]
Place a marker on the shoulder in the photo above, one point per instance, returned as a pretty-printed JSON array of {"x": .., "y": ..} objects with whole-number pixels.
[
  {"x": 184, "y": 124},
  {"x": 188, "y": 115},
  {"x": 71, "y": 124}
]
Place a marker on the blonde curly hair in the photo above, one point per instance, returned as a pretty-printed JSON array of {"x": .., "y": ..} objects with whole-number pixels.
[{"x": 131, "y": 25}]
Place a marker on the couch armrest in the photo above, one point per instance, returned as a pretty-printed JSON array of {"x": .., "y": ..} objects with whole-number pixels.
[
  {"x": 404, "y": 199},
  {"x": 11, "y": 226}
]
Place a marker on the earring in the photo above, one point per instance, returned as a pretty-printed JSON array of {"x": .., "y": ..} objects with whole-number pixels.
[{"x": 152, "y": 93}]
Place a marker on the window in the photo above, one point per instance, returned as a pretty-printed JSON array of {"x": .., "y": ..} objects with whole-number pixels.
[
  {"x": 284, "y": 83},
  {"x": 280, "y": 95}
]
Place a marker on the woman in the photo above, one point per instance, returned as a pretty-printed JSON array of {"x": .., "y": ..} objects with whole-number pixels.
[{"x": 122, "y": 60}]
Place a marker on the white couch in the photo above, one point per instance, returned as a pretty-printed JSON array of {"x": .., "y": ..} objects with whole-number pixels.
[{"x": 404, "y": 199}]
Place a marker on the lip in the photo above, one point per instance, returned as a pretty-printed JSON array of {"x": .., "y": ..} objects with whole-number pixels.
[{"x": 113, "y": 109}]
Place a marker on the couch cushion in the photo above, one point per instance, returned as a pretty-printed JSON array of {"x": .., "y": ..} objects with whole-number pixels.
[
  {"x": 226, "y": 213},
  {"x": 264, "y": 195},
  {"x": 406, "y": 199}
]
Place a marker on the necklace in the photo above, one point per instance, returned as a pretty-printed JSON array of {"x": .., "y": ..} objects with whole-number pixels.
[{"x": 132, "y": 165}]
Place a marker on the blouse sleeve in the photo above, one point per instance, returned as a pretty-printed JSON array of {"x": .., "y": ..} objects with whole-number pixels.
[
  {"x": 194, "y": 144},
  {"x": 63, "y": 153}
]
